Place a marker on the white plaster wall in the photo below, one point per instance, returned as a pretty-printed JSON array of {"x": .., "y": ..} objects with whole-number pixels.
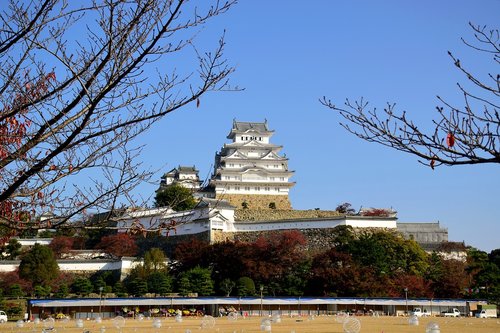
[
  {"x": 33, "y": 241},
  {"x": 371, "y": 223},
  {"x": 82, "y": 266},
  {"x": 264, "y": 226},
  {"x": 310, "y": 224},
  {"x": 8, "y": 266},
  {"x": 89, "y": 266}
]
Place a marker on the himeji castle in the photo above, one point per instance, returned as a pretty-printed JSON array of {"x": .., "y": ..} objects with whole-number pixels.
[
  {"x": 247, "y": 195},
  {"x": 249, "y": 172}
]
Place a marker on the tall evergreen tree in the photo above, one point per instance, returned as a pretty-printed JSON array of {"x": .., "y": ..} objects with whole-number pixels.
[{"x": 39, "y": 265}]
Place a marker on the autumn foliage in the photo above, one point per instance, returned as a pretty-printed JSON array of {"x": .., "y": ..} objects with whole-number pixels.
[{"x": 120, "y": 245}]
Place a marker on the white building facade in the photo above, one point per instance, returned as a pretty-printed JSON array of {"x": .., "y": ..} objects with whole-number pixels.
[{"x": 250, "y": 169}]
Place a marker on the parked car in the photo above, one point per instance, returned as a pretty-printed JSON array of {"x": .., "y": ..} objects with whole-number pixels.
[
  {"x": 451, "y": 313},
  {"x": 3, "y": 317},
  {"x": 419, "y": 313}
]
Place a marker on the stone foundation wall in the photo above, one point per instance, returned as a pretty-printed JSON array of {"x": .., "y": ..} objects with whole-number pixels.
[
  {"x": 221, "y": 236},
  {"x": 257, "y": 201},
  {"x": 317, "y": 239},
  {"x": 281, "y": 214}
]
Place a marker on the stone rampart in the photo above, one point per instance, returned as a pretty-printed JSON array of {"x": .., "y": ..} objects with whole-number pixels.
[
  {"x": 258, "y": 201},
  {"x": 281, "y": 214}
]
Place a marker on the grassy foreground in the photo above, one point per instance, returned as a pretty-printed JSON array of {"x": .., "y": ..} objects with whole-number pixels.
[{"x": 288, "y": 325}]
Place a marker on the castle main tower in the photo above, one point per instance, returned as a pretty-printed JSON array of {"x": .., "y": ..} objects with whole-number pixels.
[{"x": 249, "y": 172}]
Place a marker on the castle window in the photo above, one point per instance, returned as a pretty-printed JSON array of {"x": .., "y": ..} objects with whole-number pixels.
[
  {"x": 247, "y": 188},
  {"x": 257, "y": 188},
  {"x": 231, "y": 165},
  {"x": 237, "y": 188},
  {"x": 267, "y": 188},
  {"x": 277, "y": 189},
  {"x": 272, "y": 179},
  {"x": 282, "y": 179},
  {"x": 227, "y": 177}
]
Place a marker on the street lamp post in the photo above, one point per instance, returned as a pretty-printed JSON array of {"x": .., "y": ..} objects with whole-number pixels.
[
  {"x": 406, "y": 299},
  {"x": 100, "y": 301},
  {"x": 261, "y": 296}
]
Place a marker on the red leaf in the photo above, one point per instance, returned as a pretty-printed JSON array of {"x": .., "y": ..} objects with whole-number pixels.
[
  {"x": 450, "y": 140},
  {"x": 433, "y": 161}
]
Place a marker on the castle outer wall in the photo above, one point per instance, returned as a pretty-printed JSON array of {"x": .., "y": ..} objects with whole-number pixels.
[{"x": 280, "y": 202}]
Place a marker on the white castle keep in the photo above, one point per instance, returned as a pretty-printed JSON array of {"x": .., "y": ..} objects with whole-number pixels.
[{"x": 249, "y": 172}]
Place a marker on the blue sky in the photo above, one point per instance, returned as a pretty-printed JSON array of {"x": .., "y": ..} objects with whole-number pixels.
[{"x": 288, "y": 54}]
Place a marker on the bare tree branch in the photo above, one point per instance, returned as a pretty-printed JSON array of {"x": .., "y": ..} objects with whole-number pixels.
[
  {"x": 78, "y": 82},
  {"x": 469, "y": 134}
]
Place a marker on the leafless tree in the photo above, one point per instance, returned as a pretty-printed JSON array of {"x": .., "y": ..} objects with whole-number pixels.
[
  {"x": 79, "y": 80},
  {"x": 461, "y": 135}
]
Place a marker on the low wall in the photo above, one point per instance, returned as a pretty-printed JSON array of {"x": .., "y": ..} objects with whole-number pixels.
[{"x": 123, "y": 265}]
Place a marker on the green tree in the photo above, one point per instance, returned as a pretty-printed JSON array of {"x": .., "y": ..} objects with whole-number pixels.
[
  {"x": 183, "y": 284},
  {"x": 196, "y": 280},
  {"x": 13, "y": 249},
  {"x": 16, "y": 291},
  {"x": 155, "y": 261},
  {"x": 39, "y": 265},
  {"x": 176, "y": 197},
  {"x": 389, "y": 253},
  {"x": 119, "y": 289},
  {"x": 200, "y": 280},
  {"x": 42, "y": 291},
  {"x": 159, "y": 283},
  {"x": 62, "y": 291},
  {"x": 98, "y": 284},
  {"x": 494, "y": 257},
  {"x": 245, "y": 286},
  {"x": 484, "y": 274},
  {"x": 82, "y": 286},
  {"x": 137, "y": 287},
  {"x": 295, "y": 281}
]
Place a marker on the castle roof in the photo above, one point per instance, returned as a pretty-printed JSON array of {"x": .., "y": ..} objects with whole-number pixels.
[
  {"x": 181, "y": 169},
  {"x": 245, "y": 127}
]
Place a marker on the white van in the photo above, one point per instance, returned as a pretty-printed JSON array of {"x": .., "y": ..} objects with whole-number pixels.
[
  {"x": 3, "y": 317},
  {"x": 487, "y": 313}
]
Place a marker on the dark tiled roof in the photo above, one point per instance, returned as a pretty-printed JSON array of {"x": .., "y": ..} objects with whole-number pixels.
[
  {"x": 245, "y": 126},
  {"x": 187, "y": 168}
]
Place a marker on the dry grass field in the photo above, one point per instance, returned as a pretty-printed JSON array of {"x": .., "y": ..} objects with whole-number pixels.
[{"x": 248, "y": 325}]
